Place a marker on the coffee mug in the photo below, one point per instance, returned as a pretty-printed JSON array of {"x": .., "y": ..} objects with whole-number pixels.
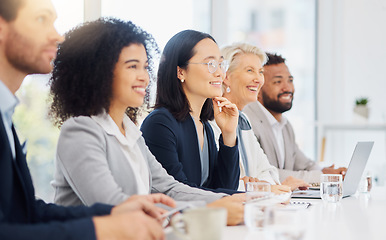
[{"x": 200, "y": 223}]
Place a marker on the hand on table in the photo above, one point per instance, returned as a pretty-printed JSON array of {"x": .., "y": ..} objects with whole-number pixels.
[
  {"x": 145, "y": 203},
  {"x": 279, "y": 189},
  {"x": 332, "y": 170},
  {"x": 133, "y": 225},
  {"x": 295, "y": 183},
  {"x": 135, "y": 218},
  {"x": 235, "y": 207}
]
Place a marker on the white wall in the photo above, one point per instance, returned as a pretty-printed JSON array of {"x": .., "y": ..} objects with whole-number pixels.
[{"x": 351, "y": 63}]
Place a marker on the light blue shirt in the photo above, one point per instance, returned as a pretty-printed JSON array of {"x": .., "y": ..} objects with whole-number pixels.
[{"x": 8, "y": 102}]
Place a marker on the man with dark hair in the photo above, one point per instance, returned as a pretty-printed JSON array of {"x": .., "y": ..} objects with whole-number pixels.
[
  {"x": 28, "y": 44},
  {"x": 274, "y": 132}
]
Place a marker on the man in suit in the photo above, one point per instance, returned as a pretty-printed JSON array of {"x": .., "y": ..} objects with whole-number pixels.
[
  {"x": 274, "y": 132},
  {"x": 28, "y": 43}
]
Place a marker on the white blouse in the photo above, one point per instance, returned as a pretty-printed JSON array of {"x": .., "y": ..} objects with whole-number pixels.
[{"x": 129, "y": 147}]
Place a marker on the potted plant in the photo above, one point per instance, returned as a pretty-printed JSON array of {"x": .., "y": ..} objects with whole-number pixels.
[{"x": 361, "y": 107}]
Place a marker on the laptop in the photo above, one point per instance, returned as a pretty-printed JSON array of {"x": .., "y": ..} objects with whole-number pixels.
[{"x": 353, "y": 175}]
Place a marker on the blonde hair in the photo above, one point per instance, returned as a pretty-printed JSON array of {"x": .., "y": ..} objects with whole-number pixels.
[{"x": 231, "y": 51}]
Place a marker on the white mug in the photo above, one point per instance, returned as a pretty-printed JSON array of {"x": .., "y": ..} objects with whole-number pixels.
[{"x": 200, "y": 223}]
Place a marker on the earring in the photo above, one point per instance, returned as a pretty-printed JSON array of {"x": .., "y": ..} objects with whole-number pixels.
[
  {"x": 182, "y": 80},
  {"x": 228, "y": 90}
]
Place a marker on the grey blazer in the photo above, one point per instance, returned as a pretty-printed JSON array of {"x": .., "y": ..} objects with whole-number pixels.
[
  {"x": 295, "y": 162},
  {"x": 91, "y": 167}
]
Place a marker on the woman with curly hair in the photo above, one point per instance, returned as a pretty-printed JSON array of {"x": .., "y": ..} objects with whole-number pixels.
[{"x": 102, "y": 70}]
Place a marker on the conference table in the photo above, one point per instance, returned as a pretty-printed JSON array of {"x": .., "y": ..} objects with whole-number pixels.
[{"x": 361, "y": 216}]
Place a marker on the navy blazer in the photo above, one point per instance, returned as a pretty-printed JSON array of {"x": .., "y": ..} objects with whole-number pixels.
[
  {"x": 24, "y": 217},
  {"x": 175, "y": 146}
]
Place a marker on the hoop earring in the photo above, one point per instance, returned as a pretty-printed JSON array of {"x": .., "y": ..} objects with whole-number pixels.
[{"x": 228, "y": 90}]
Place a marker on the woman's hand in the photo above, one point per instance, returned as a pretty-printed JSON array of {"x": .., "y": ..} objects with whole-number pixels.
[
  {"x": 279, "y": 189},
  {"x": 247, "y": 179},
  {"x": 235, "y": 207},
  {"x": 146, "y": 203},
  {"x": 295, "y": 183},
  {"x": 226, "y": 115}
]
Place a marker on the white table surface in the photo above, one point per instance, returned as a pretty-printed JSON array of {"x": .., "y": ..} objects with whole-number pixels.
[{"x": 362, "y": 216}]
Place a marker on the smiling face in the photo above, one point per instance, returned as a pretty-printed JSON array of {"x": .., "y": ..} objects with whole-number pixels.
[
  {"x": 199, "y": 83},
  {"x": 277, "y": 93},
  {"x": 130, "y": 77},
  {"x": 30, "y": 41},
  {"x": 245, "y": 80}
]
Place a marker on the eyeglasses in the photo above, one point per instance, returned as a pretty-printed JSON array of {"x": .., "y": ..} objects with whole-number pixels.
[{"x": 213, "y": 65}]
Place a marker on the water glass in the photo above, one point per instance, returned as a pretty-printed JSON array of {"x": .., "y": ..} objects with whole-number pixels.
[
  {"x": 287, "y": 224},
  {"x": 256, "y": 211},
  {"x": 256, "y": 215},
  {"x": 255, "y": 190},
  {"x": 331, "y": 187}
]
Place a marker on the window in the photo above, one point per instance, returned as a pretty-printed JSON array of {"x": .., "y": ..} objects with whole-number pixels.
[
  {"x": 286, "y": 27},
  {"x": 163, "y": 18},
  {"x": 30, "y": 116}
]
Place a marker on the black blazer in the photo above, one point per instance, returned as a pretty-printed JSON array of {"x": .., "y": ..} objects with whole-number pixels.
[
  {"x": 24, "y": 217},
  {"x": 175, "y": 146}
]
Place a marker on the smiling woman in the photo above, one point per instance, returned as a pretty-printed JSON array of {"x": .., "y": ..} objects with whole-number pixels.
[{"x": 188, "y": 96}]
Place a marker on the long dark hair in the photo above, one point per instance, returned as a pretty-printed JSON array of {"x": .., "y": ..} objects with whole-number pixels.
[
  {"x": 177, "y": 53},
  {"x": 82, "y": 78}
]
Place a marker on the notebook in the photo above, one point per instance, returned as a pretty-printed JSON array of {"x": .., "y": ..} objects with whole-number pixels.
[{"x": 353, "y": 175}]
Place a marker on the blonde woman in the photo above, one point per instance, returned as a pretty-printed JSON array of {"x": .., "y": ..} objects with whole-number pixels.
[{"x": 241, "y": 86}]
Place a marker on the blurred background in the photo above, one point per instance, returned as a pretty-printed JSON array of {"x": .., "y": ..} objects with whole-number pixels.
[{"x": 335, "y": 49}]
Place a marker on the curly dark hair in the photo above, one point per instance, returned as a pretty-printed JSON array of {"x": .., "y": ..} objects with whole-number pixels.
[
  {"x": 81, "y": 81},
  {"x": 177, "y": 53},
  {"x": 274, "y": 58}
]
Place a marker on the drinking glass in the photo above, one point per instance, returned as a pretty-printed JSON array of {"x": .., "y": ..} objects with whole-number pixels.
[
  {"x": 256, "y": 210},
  {"x": 331, "y": 187},
  {"x": 255, "y": 190},
  {"x": 286, "y": 224}
]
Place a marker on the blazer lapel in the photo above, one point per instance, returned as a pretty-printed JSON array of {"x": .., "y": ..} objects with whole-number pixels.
[
  {"x": 266, "y": 126},
  {"x": 6, "y": 173},
  {"x": 23, "y": 173},
  {"x": 190, "y": 142},
  {"x": 212, "y": 152},
  {"x": 288, "y": 160}
]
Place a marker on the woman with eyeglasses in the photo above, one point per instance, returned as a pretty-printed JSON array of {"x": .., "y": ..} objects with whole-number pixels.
[
  {"x": 102, "y": 71},
  {"x": 177, "y": 132}
]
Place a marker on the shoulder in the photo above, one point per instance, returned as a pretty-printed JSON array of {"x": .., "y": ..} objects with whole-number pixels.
[
  {"x": 160, "y": 114},
  {"x": 80, "y": 127},
  {"x": 79, "y": 121},
  {"x": 160, "y": 117},
  {"x": 253, "y": 111}
]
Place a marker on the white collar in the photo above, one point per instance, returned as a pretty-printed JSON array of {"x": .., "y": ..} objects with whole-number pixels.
[
  {"x": 271, "y": 119},
  {"x": 8, "y": 101},
  {"x": 108, "y": 124}
]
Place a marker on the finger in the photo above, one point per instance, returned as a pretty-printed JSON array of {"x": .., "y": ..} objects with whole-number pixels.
[
  {"x": 216, "y": 108},
  {"x": 150, "y": 209},
  {"x": 284, "y": 188},
  {"x": 220, "y": 99},
  {"x": 162, "y": 198},
  {"x": 230, "y": 108}
]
